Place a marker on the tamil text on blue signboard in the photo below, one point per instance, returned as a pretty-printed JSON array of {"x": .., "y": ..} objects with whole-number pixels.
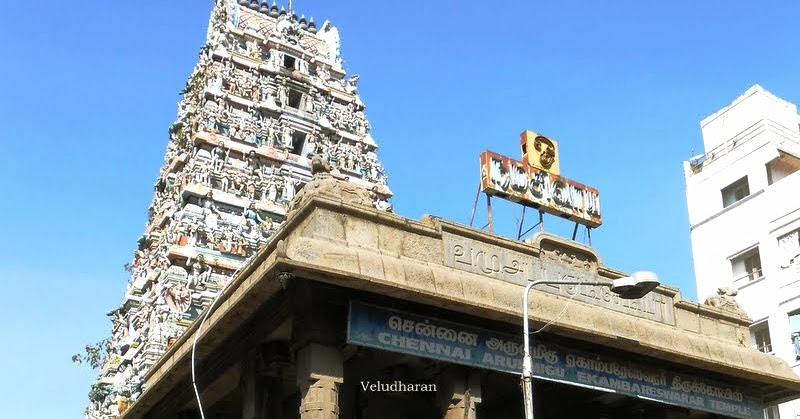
[{"x": 408, "y": 333}]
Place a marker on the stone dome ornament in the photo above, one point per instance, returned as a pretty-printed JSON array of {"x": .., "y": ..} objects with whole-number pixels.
[{"x": 724, "y": 300}]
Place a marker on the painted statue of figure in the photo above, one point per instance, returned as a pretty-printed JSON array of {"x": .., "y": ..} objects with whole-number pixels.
[
  {"x": 253, "y": 163},
  {"x": 310, "y": 99},
  {"x": 272, "y": 190},
  {"x": 322, "y": 76},
  {"x": 252, "y": 49},
  {"x": 228, "y": 69},
  {"x": 252, "y": 215},
  {"x": 286, "y": 140},
  {"x": 219, "y": 156},
  {"x": 289, "y": 186},
  {"x": 271, "y": 133},
  {"x": 198, "y": 273},
  {"x": 350, "y": 86},
  {"x": 224, "y": 181},
  {"x": 216, "y": 79},
  {"x": 283, "y": 97},
  {"x": 273, "y": 62},
  {"x": 210, "y": 211}
]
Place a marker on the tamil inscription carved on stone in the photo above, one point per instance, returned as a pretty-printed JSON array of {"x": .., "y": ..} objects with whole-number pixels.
[{"x": 513, "y": 266}]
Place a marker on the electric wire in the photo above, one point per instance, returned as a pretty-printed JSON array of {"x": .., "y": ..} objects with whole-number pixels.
[{"x": 560, "y": 313}]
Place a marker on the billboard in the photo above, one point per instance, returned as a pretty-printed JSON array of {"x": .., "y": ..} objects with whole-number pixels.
[{"x": 528, "y": 183}]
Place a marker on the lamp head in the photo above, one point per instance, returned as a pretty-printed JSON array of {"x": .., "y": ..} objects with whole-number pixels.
[{"x": 635, "y": 286}]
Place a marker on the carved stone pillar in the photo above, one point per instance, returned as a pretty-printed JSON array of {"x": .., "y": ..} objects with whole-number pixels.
[
  {"x": 320, "y": 372},
  {"x": 262, "y": 375},
  {"x": 460, "y": 393},
  {"x": 318, "y": 329},
  {"x": 252, "y": 385}
]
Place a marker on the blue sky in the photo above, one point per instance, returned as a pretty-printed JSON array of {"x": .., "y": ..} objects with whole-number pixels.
[{"x": 88, "y": 90}]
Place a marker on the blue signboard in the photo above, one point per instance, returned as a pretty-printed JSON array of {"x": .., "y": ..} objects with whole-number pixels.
[{"x": 398, "y": 331}]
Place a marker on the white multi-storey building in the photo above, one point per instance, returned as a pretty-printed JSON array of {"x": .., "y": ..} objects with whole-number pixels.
[{"x": 743, "y": 196}]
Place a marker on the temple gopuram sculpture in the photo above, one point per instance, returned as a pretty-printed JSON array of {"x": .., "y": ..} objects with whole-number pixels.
[{"x": 267, "y": 96}]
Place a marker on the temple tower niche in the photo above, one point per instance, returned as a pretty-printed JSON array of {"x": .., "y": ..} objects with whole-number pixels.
[{"x": 268, "y": 91}]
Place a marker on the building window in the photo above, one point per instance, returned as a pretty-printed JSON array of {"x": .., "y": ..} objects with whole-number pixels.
[
  {"x": 735, "y": 192},
  {"x": 289, "y": 61},
  {"x": 781, "y": 166},
  {"x": 747, "y": 265},
  {"x": 295, "y": 98},
  {"x": 789, "y": 247},
  {"x": 298, "y": 142},
  {"x": 794, "y": 324},
  {"x": 761, "y": 337}
]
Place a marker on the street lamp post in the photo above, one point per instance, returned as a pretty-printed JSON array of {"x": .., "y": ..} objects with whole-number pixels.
[{"x": 629, "y": 287}]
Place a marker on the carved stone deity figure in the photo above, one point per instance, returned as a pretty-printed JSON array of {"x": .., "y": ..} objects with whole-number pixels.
[
  {"x": 198, "y": 273},
  {"x": 252, "y": 49},
  {"x": 275, "y": 58},
  {"x": 228, "y": 69},
  {"x": 323, "y": 74},
  {"x": 286, "y": 136},
  {"x": 310, "y": 100},
  {"x": 271, "y": 194},
  {"x": 350, "y": 86},
  {"x": 251, "y": 215},
  {"x": 246, "y": 87},
  {"x": 725, "y": 300},
  {"x": 350, "y": 162},
  {"x": 224, "y": 181},
  {"x": 283, "y": 96},
  {"x": 216, "y": 78},
  {"x": 217, "y": 33},
  {"x": 289, "y": 186},
  {"x": 210, "y": 212},
  {"x": 271, "y": 132},
  {"x": 253, "y": 163},
  {"x": 219, "y": 156}
]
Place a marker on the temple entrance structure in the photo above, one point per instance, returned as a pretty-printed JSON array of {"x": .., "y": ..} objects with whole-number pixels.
[{"x": 352, "y": 312}]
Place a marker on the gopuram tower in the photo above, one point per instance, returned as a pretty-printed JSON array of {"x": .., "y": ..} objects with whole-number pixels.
[{"x": 268, "y": 92}]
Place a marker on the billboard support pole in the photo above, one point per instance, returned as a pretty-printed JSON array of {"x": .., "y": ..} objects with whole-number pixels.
[
  {"x": 489, "y": 212},
  {"x": 541, "y": 220},
  {"x": 475, "y": 204}
]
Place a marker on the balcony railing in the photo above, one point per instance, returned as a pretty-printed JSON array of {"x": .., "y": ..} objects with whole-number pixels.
[
  {"x": 766, "y": 348},
  {"x": 761, "y": 126},
  {"x": 747, "y": 277}
]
